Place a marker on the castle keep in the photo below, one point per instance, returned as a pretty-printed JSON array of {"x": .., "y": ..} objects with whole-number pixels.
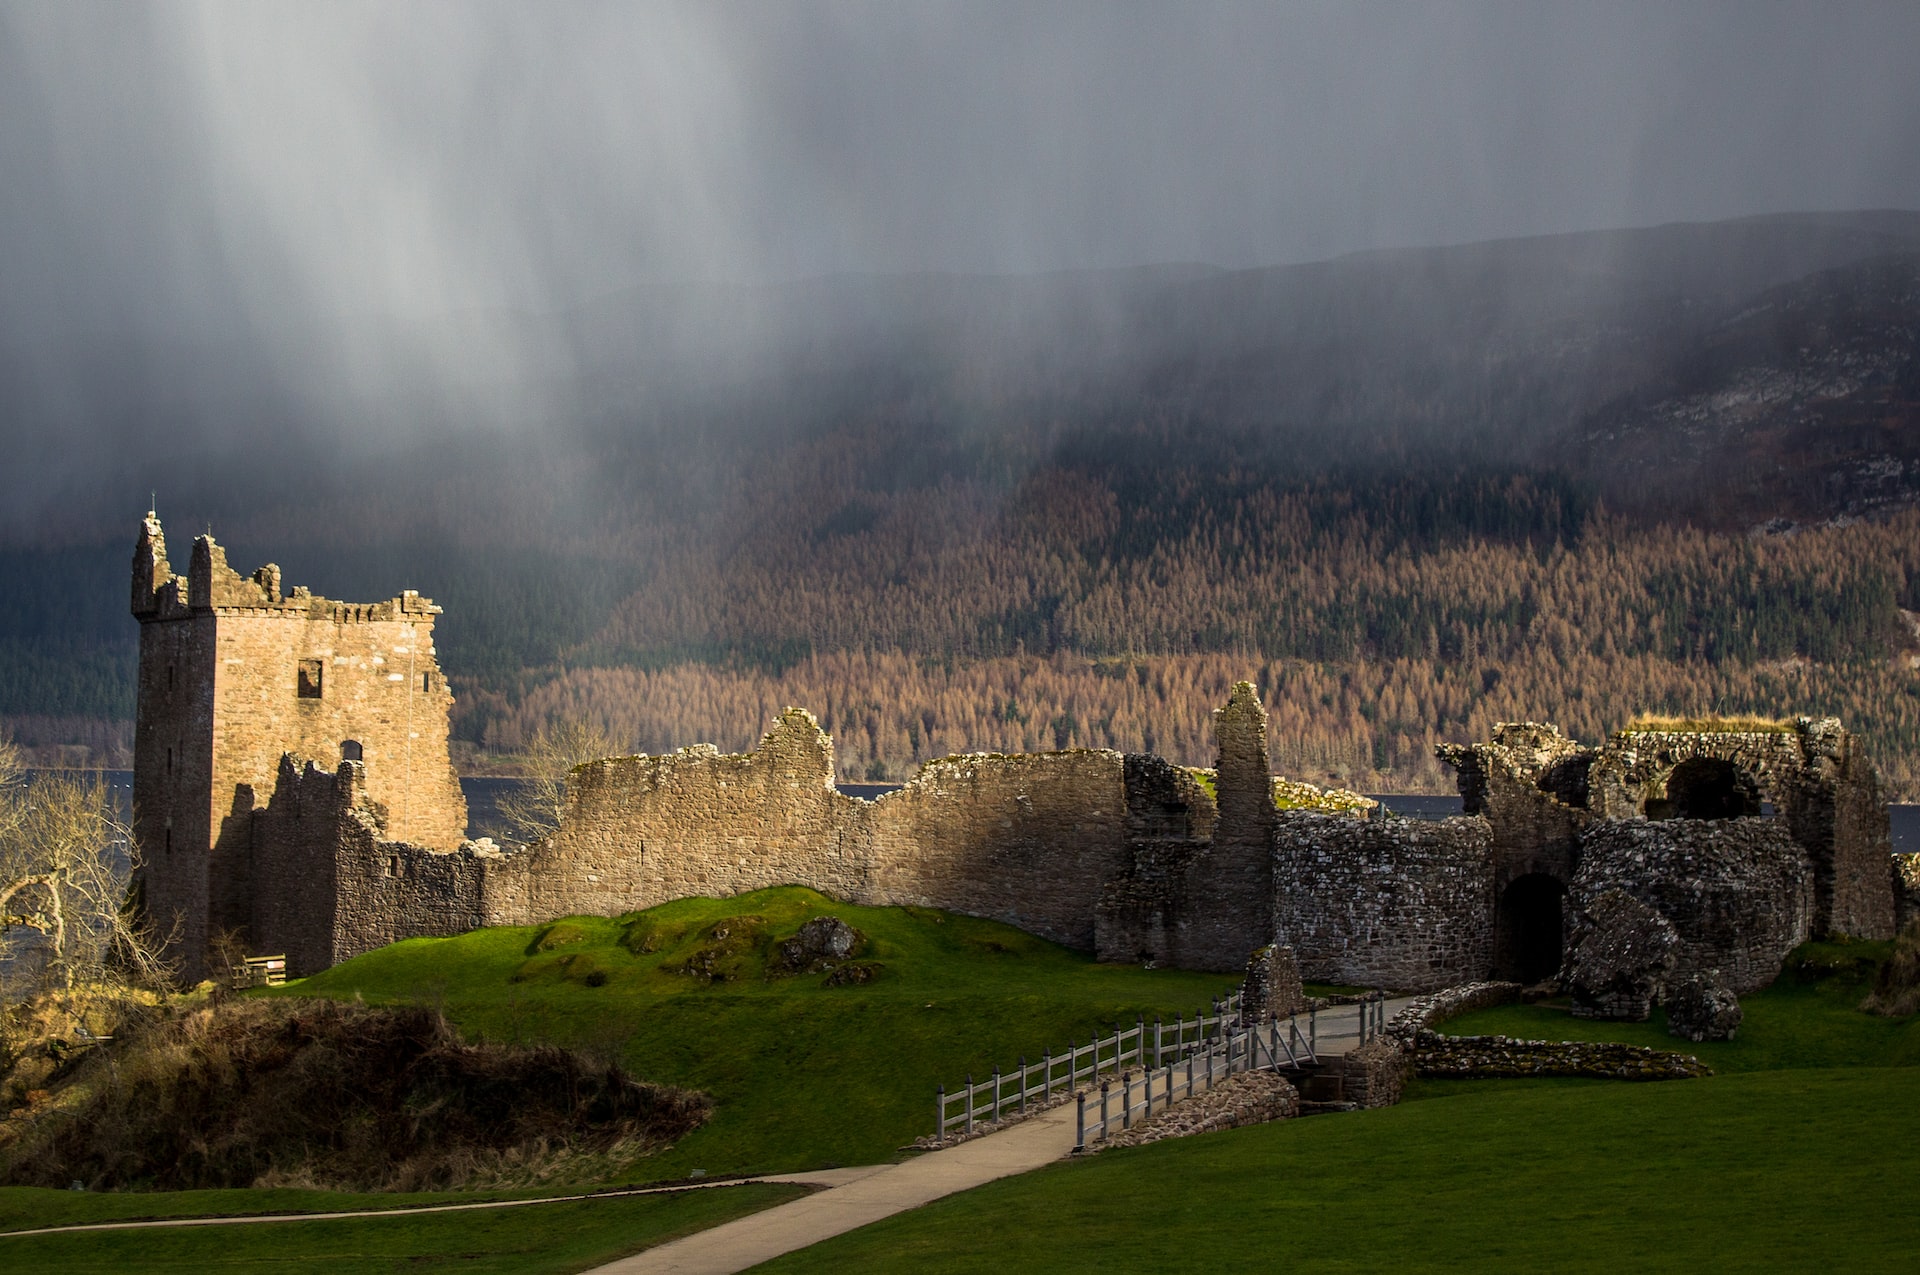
[
  {"x": 236, "y": 674},
  {"x": 292, "y": 785}
]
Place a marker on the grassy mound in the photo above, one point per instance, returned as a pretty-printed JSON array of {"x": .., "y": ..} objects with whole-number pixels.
[
  {"x": 807, "y": 1066},
  {"x": 317, "y": 1093},
  {"x": 1788, "y": 1170},
  {"x": 1712, "y": 725}
]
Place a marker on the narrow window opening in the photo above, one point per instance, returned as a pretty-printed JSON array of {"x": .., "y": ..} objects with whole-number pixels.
[
  {"x": 169, "y": 677},
  {"x": 308, "y": 684},
  {"x": 350, "y": 750},
  {"x": 169, "y": 763},
  {"x": 426, "y": 682},
  {"x": 169, "y": 843}
]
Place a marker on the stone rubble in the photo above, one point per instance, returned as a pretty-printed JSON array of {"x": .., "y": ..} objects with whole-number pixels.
[
  {"x": 1702, "y": 1007},
  {"x": 1619, "y": 959},
  {"x": 1483, "y": 1057}
]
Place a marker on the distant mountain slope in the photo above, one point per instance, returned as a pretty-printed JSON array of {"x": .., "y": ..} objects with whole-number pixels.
[{"x": 1802, "y": 405}]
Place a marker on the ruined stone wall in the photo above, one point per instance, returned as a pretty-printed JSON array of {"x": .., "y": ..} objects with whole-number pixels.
[
  {"x": 1501, "y": 1057},
  {"x": 343, "y": 887},
  {"x": 1906, "y": 889},
  {"x": 1402, "y": 903},
  {"x": 1028, "y": 840},
  {"x": 1230, "y": 884},
  {"x": 1820, "y": 782},
  {"x": 1858, "y": 901},
  {"x": 1531, "y": 783},
  {"x": 1736, "y": 891},
  {"x": 1144, "y": 913},
  {"x": 1636, "y": 765},
  {"x": 173, "y": 751}
]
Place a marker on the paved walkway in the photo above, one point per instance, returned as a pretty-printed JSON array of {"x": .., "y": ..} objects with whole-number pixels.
[{"x": 884, "y": 1190}]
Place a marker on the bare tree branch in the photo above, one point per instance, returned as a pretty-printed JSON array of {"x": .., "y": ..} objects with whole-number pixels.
[{"x": 533, "y": 809}]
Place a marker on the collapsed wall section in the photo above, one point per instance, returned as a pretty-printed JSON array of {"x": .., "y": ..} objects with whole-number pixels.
[
  {"x": 1400, "y": 903},
  {"x": 1812, "y": 771},
  {"x": 1531, "y": 782}
]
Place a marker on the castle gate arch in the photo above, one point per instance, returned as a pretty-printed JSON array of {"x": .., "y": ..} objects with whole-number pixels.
[{"x": 1530, "y": 928}]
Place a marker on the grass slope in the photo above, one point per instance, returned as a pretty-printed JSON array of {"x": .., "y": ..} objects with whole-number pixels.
[
  {"x": 560, "y": 1237},
  {"x": 1784, "y": 1170},
  {"x": 804, "y": 1075}
]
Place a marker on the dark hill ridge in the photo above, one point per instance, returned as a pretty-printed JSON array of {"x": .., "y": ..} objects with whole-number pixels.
[
  {"x": 639, "y": 403},
  {"x": 1803, "y": 405}
]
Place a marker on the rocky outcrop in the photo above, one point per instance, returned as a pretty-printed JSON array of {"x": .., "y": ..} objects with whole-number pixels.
[{"x": 821, "y": 943}]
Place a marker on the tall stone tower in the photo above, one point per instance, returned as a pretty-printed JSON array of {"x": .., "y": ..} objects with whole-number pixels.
[{"x": 234, "y": 674}]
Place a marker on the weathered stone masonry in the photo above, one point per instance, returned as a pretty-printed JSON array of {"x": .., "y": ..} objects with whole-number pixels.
[{"x": 1024, "y": 839}]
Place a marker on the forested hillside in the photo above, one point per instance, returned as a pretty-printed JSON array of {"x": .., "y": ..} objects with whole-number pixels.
[{"x": 1378, "y": 623}]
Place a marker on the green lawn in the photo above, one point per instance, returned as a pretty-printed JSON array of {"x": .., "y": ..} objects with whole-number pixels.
[
  {"x": 803, "y": 1075},
  {"x": 544, "y": 1237},
  {"x": 1781, "y": 1170}
]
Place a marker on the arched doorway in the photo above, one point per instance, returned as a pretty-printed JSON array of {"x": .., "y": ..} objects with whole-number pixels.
[
  {"x": 1707, "y": 788},
  {"x": 1530, "y": 929}
]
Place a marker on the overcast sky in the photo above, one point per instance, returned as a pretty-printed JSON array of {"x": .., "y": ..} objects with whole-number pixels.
[
  {"x": 216, "y": 158},
  {"x": 179, "y": 170}
]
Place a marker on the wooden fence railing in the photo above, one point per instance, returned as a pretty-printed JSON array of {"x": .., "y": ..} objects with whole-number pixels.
[
  {"x": 1270, "y": 1045},
  {"x": 1009, "y": 1091},
  {"x": 1170, "y": 1058}
]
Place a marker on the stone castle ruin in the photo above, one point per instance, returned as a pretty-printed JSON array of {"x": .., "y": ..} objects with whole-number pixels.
[{"x": 293, "y": 790}]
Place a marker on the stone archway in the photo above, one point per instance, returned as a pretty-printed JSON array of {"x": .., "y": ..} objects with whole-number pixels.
[
  {"x": 1530, "y": 929},
  {"x": 1707, "y": 788}
]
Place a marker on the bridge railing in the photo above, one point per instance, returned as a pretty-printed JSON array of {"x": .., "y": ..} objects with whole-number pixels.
[
  {"x": 1009, "y": 1091},
  {"x": 1267, "y": 1046},
  {"x": 1154, "y": 1061}
]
